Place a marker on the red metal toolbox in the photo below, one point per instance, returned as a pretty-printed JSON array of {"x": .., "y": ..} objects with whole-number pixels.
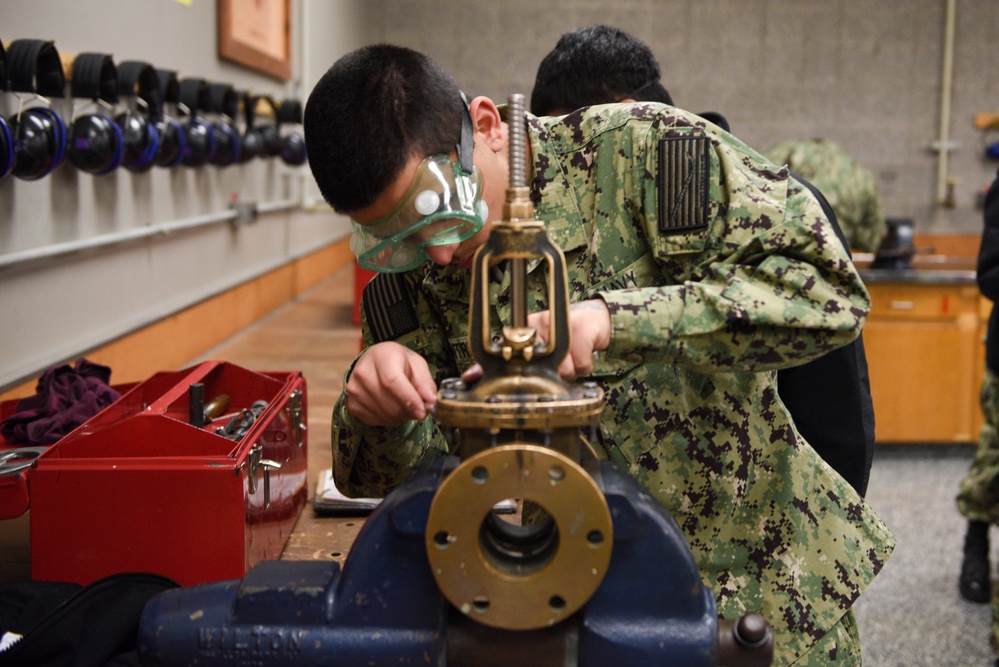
[{"x": 139, "y": 487}]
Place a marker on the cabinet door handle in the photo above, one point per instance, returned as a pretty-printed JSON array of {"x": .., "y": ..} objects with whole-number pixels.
[{"x": 901, "y": 305}]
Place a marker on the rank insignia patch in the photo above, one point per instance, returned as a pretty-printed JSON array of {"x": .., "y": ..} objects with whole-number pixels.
[{"x": 684, "y": 173}]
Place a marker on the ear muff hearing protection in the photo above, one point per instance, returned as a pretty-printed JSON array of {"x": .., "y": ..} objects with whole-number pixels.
[
  {"x": 252, "y": 143},
  {"x": 37, "y": 133},
  {"x": 139, "y": 86},
  {"x": 173, "y": 140},
  {"x": 293, "y": 142},
  {"x": 96, "y": 143},
  {"x": 269, "y": 133},
  {"x": 6, "y": 140},
  {"x": 223, "y": 102},
  {"x": 39, "y": 142},
  {"x": 200, "y": 134}
]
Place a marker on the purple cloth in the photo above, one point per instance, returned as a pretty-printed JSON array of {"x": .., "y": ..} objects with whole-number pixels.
[{"x": 65, "y": 398}]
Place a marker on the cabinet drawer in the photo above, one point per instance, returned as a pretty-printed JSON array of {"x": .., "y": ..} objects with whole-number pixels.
[{"x": 921, "y": 302}]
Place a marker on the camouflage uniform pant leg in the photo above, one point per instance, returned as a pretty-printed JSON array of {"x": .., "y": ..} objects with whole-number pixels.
[
  {"x": 994, "y": 638},
  {"x": 978, "y": 497},
  {"x": 839, "y": 646}
]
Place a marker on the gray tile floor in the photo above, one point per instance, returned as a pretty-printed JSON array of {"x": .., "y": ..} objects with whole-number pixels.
[{"x": 912, "y": 615}]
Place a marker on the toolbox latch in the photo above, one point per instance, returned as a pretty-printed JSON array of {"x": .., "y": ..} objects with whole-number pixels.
[
  {"x": 258, "y": 461},
  {"x": 297, "y": 417}
]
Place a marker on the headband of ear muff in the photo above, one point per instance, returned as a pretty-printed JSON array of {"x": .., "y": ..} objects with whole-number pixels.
[
  {"x": 96, "y": 144},
  {"x": 223, "y": 101},
  {"x": 6, "y": 140},
  {"x": 138, "y": 80},
  {"x": 38, "y": 133},
  {"x": 34, "y": 66},
  {"x": 173, "y": 139},
  {"x": 200, "y": 135},
  {"x": 293, "y": 153}
]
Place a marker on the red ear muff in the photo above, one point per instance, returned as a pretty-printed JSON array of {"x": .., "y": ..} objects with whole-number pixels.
[
  {"x": 37, "y": 135},
  {"x": 96, "y": 143}
]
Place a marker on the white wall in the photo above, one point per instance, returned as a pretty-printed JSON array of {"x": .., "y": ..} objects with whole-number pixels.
[{"x": 55, "y": 305}]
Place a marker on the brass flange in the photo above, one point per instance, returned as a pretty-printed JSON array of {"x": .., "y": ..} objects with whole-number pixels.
[{"x": 519, "y": 577}]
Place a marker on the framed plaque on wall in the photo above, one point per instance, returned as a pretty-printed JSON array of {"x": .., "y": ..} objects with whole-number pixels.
[{"x": 257, "y": 34}]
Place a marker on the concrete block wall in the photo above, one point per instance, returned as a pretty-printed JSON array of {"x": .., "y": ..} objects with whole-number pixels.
[{"x": 865, "y": 73}]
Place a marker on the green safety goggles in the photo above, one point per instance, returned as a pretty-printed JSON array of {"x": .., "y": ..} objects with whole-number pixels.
[{"x": 443, "y": 206}]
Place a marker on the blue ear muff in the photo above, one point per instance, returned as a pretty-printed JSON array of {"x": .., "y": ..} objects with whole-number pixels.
[
  {"x": 293, "y": 149},
  {"x": 96, "y": 144},
  {"x": 173, "y": 143},
  {"x": 289, "y": 112},
  {"x": 141, "y": 141},
  {"x": 200, "y": 143},
  {"x": 39, "y": 142},
  {"x": 227, "y": 145},
  {"x": 6, "y": 149},
  {"x": 37, "y": 134},
  {"x": 61, "y": 134}
]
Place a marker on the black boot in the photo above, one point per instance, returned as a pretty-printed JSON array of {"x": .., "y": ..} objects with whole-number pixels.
[{"x": 974, "y": 583}]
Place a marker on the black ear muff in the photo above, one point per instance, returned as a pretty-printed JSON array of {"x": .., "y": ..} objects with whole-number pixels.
[
  {"x": 199, "y": 134},
  {"x": 292, "y": 142},
  {"x": 38, "y": 134},
  {"x": 173, "y": 143},
  {"x": 141, "y": 138},
  {"x": 227, "y": 145},
  {"x": 293, "y": 151},
  {"x": 173, "y": 140},
  {"x": 270, "y": 133},
  {"x": 251, "y": 143},
  {"x": 96, "y": 143},
  {"x": 200, "y": 146},
  {"x": 223, "y": 102},
  {"x": 6, "y": 148},
  {"x": 139, "y": 86},
  {"x": 6, "y": 140}
]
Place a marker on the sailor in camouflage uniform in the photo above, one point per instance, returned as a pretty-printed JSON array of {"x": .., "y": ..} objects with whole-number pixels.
[
  {"x": 696, "y": 268},
  {"x": 978, "y": 497},
  {"x": 848, "y": 186}
]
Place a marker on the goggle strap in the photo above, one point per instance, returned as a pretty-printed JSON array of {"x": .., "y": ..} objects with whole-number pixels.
[{"x": 467, "y": 138}]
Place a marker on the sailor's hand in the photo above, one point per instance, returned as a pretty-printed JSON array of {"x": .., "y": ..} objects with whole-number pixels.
[
  {"x": 590, "y": 331},
  {"x": 389, "y": 385}
]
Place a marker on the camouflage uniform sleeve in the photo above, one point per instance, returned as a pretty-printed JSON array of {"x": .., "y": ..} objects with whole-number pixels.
[
  {"x": 764, "y": 284},
  {"x": 370, "y": 461}
]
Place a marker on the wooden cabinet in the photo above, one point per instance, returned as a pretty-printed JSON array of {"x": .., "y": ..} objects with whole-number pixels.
[{"x": 925, "y": 353}]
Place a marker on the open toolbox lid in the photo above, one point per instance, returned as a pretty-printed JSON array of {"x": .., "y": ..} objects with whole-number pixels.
[{"x": 123, "y": 431}]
